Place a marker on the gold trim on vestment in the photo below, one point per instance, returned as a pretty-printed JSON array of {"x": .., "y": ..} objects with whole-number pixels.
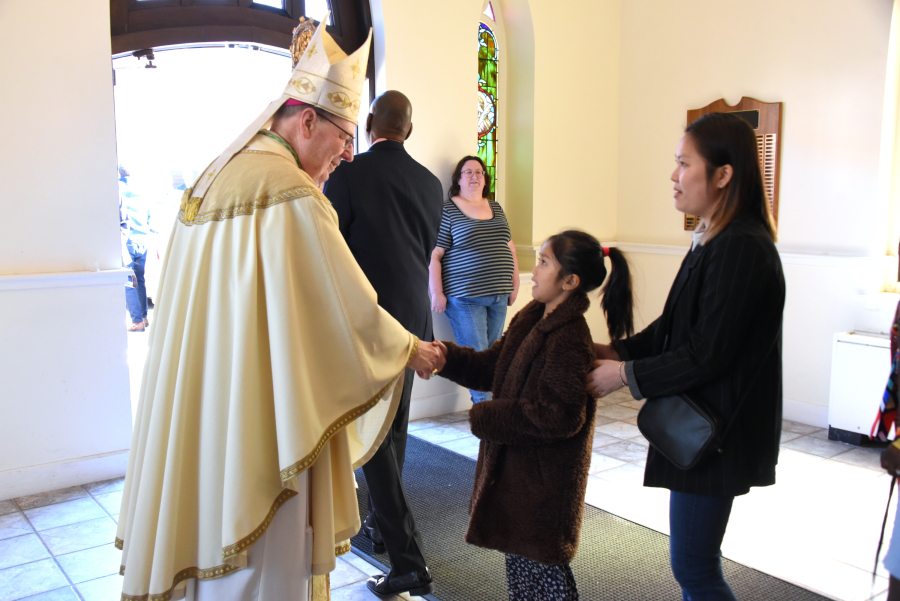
[
  {"x": 340, "y": 85},
  {"x": 247, "y": 542},
  {"x": 248, "y": 209},
  {"x": 342, "y": 549},
  {"x": 291, "y": 471},
  {"x": 207, "y": 574},
  {"x": 218, "y": 571},
  {"x": 321, "y": 588},
  {"x": 414, "y": 350}
]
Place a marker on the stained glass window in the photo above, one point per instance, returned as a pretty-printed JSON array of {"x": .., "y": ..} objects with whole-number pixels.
[{"x": 487, "y": 102}]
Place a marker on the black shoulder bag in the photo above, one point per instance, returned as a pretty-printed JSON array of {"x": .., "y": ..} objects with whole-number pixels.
[{"x": 683, "y": 430}]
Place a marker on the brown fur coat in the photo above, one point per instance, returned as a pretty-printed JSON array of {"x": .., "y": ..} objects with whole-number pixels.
[{"x": 536, "y": 433}]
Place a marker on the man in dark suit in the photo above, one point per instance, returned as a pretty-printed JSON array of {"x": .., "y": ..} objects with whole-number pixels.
[{"x": 389, "y": 209}]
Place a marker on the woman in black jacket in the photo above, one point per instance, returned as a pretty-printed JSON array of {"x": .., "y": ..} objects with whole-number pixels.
[{"x": 718, "y": 339}]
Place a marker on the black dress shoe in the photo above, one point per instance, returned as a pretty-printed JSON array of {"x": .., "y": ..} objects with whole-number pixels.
[
  {"x": 370, "y": 531},
  {"x": 414, "y": 583}
]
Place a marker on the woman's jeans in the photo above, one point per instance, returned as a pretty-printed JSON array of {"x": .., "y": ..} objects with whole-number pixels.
[
  {"x": 477, "y": 322},
  {"x": 697, "y": 526}
]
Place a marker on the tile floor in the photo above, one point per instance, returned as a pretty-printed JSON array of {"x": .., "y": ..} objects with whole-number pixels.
[
  {"x": 56, "y": 546},
  {"x": 818, "y": 527}
]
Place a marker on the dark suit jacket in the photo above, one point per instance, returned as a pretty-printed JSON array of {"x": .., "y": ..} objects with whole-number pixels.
[
  {"x": 389, "y": 209},
  {"x": 720, "y": 326}
]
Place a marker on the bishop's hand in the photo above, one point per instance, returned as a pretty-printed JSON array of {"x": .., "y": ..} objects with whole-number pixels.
[{"x": 428, "y": 359}]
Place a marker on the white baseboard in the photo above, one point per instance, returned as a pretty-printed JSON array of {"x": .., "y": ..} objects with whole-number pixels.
[
  {"x": 31, "y": 281},
  {"x": 440, "y": 404},
  {"x": 62, "y": 474},
  {"x": 805, "y": 413}
]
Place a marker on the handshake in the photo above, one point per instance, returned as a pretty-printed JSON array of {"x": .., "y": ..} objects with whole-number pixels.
[{"x": 429, "y": 359}]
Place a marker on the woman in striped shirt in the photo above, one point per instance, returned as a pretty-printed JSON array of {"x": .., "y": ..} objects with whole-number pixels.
[{"x": 474, "y": 274}]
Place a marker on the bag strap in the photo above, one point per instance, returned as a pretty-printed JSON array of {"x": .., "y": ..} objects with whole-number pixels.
[{"x": 746, "y": 394}]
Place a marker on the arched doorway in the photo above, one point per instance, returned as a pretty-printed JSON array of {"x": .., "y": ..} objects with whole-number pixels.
[
  {"x": 215, "y": 65},
  {"x": 139, "y": 24}
]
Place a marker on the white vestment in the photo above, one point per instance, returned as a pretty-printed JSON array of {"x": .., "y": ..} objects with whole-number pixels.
[
  {"x": 269, "y": 359},
  {"x": 278, "y": 565}
]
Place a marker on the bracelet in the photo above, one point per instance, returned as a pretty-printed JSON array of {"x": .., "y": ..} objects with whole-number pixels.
[{"x": 619, "y": 372}]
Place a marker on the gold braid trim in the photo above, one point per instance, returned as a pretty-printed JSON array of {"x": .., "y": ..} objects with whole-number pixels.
[
  {"x": 185, "y": 217},
  {"x": 291, "y": 471},
  {"x": 119, "y": 543},
  {"x": 342, "y": 549},
  {"x": 321, "y": 588},
  {"x": 217, "y": 571},
  {"x": 414, "y": 350},
  {"x": 189, "y": 206},
  {"x": 199, "y": 574},
  {"x": 247, "y": 542}
]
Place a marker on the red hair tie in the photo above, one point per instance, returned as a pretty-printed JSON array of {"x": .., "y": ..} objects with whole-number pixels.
[{"x": 605, "y": 251}]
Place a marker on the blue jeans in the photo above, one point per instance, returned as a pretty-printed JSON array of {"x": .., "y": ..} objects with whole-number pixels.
[
  {"x": 136, "y": 298},
  {"x": 477, "y": 322},
  {"x": 697, "y": 526}
]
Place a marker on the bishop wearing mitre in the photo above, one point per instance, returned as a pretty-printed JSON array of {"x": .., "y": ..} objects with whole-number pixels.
[{"x": 271, "y": 373}]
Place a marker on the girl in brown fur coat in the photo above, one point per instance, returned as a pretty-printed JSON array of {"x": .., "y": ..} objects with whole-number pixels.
[{"x": 536, "y": 433}]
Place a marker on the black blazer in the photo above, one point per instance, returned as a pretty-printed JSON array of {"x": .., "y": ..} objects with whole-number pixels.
[
  {"x": 389, "y": 210},
  {"x": 720, "y": 326}
]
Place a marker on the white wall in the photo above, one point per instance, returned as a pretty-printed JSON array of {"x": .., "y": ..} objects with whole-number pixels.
[
  {"x": 427, "y": 50},
  {"x": 62, "y": 339},
  {"x": 602, "y": 88},
  {"x": 59, "y": 155},
  {"x": 576, "y": 124},
  {"x": 826, "y": 63},
  {"x": 610, "y": 94}
]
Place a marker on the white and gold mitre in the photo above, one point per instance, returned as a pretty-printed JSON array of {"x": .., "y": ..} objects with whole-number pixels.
[
  {"x": 325, "y": 77},
  {"x": 329, "y": 79}
]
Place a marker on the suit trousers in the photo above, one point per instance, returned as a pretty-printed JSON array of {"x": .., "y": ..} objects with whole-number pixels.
[{"x": 387, "y": 499}]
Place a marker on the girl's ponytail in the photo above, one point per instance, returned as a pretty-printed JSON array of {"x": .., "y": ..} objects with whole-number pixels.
[
  {"x": 618, "y": 297},
  {"x": 580, "y": 253}
]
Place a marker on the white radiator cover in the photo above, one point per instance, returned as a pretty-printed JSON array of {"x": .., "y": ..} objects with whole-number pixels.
[{"x": 859, "y": 369}]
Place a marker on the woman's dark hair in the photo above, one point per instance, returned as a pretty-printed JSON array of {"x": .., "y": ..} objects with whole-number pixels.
[
  {"x": 725, "y": 139},
  {"x": 457, "y": 173},
  {"x": 580, "y": 254}
]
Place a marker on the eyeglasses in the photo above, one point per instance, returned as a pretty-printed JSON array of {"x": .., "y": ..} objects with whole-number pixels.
[
  {"x": 470, "y": 173},
  {"x": 347, "y": 143}
]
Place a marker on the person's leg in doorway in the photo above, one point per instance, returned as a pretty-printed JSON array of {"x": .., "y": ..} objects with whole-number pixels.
[
  {"x": 393, "y": 518},
  {"x": 136, "y": 297}
]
